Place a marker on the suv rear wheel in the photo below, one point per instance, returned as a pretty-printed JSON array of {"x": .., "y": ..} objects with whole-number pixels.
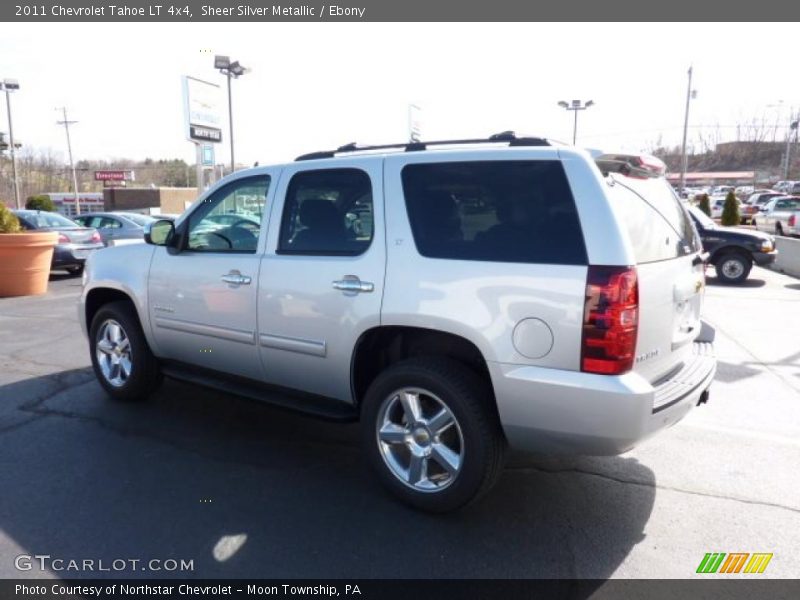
[
  {"x": 733, "y": 267},
  {"x": 122, "y": 360},
  {"x": 431, "y": 433}
]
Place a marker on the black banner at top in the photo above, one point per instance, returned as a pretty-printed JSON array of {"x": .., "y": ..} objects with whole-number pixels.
[{"x": 382, "y": 10}]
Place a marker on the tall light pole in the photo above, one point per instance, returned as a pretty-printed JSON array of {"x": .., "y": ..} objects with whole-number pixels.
[
  {"x": 66, "y": 123},
  {"x": 690, "y": 93},
  {"x": 792, "y": 129},
  {"x": 575, "y": 106},
  {"x": 9, "y": 85},
  {"x": 232, "y": 70}
]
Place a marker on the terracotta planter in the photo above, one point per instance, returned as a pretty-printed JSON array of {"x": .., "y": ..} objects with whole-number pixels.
[{"x": 25, "y": 262}]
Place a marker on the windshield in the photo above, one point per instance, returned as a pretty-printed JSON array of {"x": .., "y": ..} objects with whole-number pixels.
[
  {"x": 705, "y": 221},
  {"x": 46, "y": 219}
]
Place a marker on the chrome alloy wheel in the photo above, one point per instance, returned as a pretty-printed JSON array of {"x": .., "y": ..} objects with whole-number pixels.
[
  {"x": 113, "y": 352},
  {"x": 732, "y": 268},
  {"x": 420, "y": 439}
]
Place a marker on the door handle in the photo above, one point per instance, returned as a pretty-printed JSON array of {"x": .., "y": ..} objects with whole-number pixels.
[
  {"x": 236, "y": 278},
  {"x": 353, "y": 285}
]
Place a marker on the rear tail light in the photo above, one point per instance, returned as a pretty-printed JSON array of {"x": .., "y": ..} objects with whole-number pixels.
[
  {"x": 792, "y": 220},
  {"x": 610, "y": 320},
  {"x": 95, "y": 237},
  {"x": 62, "y": 239}
]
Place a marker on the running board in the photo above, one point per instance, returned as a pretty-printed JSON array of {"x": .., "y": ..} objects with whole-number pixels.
[{"x": 321, "y": 407}]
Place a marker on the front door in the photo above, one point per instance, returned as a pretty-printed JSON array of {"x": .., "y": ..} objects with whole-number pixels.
[{"x": 202, "y": 295}]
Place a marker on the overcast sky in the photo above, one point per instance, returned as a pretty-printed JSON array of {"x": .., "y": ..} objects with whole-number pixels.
[{"x": 315, "y": 86}]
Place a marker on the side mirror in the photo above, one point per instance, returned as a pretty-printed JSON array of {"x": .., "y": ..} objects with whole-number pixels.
[{"x": 159, "y": 233}]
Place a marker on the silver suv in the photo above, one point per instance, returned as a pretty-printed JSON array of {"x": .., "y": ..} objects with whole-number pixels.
[{"x": 455, "y": 297}]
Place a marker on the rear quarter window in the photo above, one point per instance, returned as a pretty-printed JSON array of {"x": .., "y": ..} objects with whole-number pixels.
[
  {"x": 658, "y": 225},
  {"x": 501, "y": 211}
]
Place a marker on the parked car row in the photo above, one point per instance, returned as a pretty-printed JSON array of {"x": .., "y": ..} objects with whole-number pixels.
[
  {"x": 84, "y": 234},
  {"x": 787, "y": 187}
]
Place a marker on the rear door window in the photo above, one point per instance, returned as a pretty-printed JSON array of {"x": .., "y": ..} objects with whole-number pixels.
[
  {"x": 327, "y": 212},
  {"x": 502, "y": 211},
  {"x": 658, "y": 226}
]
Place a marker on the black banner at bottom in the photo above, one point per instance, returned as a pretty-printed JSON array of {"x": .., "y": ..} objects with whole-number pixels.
[{"x": 401, "y": 589}]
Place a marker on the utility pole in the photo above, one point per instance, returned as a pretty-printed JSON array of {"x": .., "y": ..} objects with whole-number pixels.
[
  {"x": 792, "y": 129},
  {"x": 575, "y": 106},
  {"x": 684, "y": 159},
  {"x": 231, "y": 70},
  {"x": 230, "y": 119},
  {"x": 66, "y": 123},
  {"x": 7, "y": 85}
]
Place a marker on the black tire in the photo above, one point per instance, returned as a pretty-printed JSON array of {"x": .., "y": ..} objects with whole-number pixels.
[
  {"x": 470, "y": 400},
  {"x": 77, "y": 270},
  {"x": 733, "y": 267},
  {"x": 778, "y": 229},
  {"x": 144, "y": 376}
]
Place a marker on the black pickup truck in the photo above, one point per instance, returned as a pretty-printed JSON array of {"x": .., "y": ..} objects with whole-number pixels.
[{"x": 732, "y": 250}]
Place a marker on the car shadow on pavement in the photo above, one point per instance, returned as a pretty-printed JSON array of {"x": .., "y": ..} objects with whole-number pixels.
[
  {"x": 243, "y": 489},
  {"x": 747, "y": 283}
]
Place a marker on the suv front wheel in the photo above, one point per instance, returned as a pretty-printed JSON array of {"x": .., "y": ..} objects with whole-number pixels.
[
  {"x": 121, "y": 358},
  {"x": 432, "y": 434}
]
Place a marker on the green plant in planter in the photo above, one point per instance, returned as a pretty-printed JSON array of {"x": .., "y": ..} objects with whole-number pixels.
[
  {"x": 730, "y": 211},
  {"x": 40, "y": 202},
  {"x": 9, "y": 223},
  {"x": 705, "y": 204}
]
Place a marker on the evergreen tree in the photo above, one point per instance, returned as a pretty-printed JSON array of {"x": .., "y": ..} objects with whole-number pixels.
[
  {"x": 705, "y": 204},
  {"x": 730, "y": 212}
]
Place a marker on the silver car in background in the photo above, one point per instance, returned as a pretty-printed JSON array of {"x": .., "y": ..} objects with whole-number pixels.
[
  {"x": 75, "y": 242},
  {"x": 116, "y": 225}
]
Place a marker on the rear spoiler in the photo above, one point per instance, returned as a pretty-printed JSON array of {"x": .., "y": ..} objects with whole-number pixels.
[{"x": 639, "y": 166}]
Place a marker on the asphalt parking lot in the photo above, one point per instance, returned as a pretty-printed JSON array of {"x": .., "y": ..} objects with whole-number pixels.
[{"x": 247, "y": 490}]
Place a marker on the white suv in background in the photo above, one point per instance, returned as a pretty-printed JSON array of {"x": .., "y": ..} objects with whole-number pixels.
[{"x": 455, "y": 297}]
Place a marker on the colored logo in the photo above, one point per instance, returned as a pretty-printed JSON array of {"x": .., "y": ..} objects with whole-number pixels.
[{"x": 735, "y": 562}]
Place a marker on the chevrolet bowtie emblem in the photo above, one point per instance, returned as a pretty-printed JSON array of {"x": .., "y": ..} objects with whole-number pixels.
[{"x": 698, "y": 285}]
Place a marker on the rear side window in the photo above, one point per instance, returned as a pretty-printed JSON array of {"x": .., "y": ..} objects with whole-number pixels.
[
  {"x": 658, "y": 226},
  {"x": 327, "y": 212},
  {"x": 501, "y": 211}
]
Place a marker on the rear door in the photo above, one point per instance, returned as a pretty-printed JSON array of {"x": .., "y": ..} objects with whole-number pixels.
[
  {"x": 670, "y": 272},
  {"x": 321, "y": 279}
]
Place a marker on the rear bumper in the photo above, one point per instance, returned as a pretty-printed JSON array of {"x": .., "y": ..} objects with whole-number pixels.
[
  {"x": 67, "y": 255},
  {"x": 568, "y": 412}
]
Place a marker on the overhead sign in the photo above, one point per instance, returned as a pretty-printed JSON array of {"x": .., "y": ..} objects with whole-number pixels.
[
  {"x": 204, "y": 134},
  {"x": 202, "y": 104},
  {"x": 113, "y": 176}
]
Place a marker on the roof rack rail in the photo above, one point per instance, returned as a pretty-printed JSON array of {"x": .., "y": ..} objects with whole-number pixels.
[{"x": 502, "y": 137}]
